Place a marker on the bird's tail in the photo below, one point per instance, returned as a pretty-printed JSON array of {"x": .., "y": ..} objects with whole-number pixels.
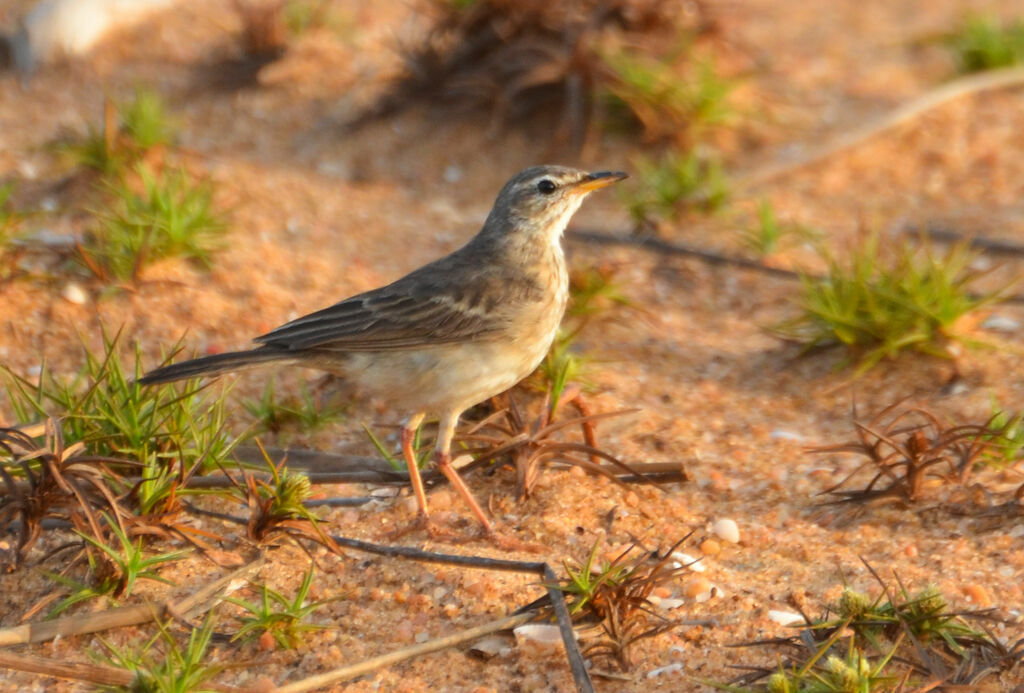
[{"x": 213, "y": 365}]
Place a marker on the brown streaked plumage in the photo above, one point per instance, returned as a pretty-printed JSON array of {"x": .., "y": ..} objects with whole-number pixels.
[{"x": 451, "y": 333}]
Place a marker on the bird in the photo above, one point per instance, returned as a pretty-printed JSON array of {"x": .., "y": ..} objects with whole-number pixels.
[{"x": 449, "y": 335}]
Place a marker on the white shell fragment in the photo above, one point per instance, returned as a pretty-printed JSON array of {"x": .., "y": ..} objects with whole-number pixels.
[
  {"x": 542, "y": 633},
  {"x": 685, "y": 560},
  {"x": 785, "y": 618},
  {"x": 491, "y": 646},
  {"x": 73, "y": 293},
  {"x": 667, "y": 669},
  {"x": 727, "y": 530}
]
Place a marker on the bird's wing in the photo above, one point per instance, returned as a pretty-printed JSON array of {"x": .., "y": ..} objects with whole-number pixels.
[{"x": 423, "y": 308}]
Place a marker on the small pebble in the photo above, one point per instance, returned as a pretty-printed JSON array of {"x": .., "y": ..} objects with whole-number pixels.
[
  {"x": 784, "y": 618},
  {"x": 978, "y": 595},
  {"x": 910, "y": 550},
  {"x": 710, "y": 547},
  {"x": 779, "y": 434},
  {"x": 1000, "y": 323},
  {"x": 696, "y": 587},
  {"x": 727, "y": 530},
  {"x": 631, "y": 499},
  {"x": 73, "y": 293},
  {"x": 267, "y": 642},
  {"x": 422, "y": 636},
  {"x": 452, "y": 174}
]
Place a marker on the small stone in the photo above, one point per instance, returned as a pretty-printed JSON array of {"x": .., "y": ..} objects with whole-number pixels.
[
  {"x": 452, "y": 174},
  {"x": 780, "y": 434},
  {"x": 784, "y": 618},
  {"x": 267, "y": 642},
  {"x": 727, "y": 530},
  {"x": 710, "y": 547},
  {"x": 910, "y": 550},
  {"x": 73, "y": 293},
  {"x": 1000, "y": 323},
  {"x": 631, "y": 499},
  {"x": 978, "y": 595},
  {"x": 696, "y": 587},
  {"x": 422, "y": 636}
]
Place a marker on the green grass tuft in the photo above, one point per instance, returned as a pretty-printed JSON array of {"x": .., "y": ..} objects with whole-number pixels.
[
  {"x": 676, "y": 183},
  {"x": 881, "y": 304},
  {"x": 160, "y": 427},
  {"x": 983, "y": 43},
  {"x": 171, "y": 216},
  {"x": 284, "y": 619}
]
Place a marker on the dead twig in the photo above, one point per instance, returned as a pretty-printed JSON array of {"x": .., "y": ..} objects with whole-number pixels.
[
  {"x": 959, "y": 88},
  {"x": 127, "y": 615},
  {"x": 374, "y": 663},
  {"x": 80, "y": 671}
]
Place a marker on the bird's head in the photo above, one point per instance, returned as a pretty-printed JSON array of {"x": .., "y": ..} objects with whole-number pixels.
[{"x": 539, "y": 201}]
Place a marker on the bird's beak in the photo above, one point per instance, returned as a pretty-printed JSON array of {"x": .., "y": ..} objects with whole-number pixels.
[{"x": 596, "y": 181}]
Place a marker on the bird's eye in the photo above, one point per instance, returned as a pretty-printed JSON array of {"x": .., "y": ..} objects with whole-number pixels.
[{"x": 546, "y": 186}]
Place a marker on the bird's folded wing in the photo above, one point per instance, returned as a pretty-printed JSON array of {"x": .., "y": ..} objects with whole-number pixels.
[{"x": 389, "y": 318}]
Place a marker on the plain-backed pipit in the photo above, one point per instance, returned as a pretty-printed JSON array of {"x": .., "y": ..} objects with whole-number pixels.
[{"x": 450, "y": 334}]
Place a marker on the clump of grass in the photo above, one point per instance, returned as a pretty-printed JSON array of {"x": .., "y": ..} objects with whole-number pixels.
[
  {"x": 616, "y": 595},
  {"x": 910, "y": 450},
  {"x": 1007, "y": 438},
  {"x": 114, "y": 566},
  {"x": 667, "y": 105},
  {"x": 107, "y": 410},
  {"x": 895, "y": 641},
  {"x": 303, "y": 412},
  {"x": 674, "y": 184},
  {"x": 171, "y": 216},
  {"x": 278, "y": 507},
  {"x": 130, "y": 131},
  {"x": 50, "y": 479},
  {"x": 284, "y": 619},
  {"x": 984, "y": 43},
  {"x": 881, "y": 304},
  {"x": 769, "y": 235},
  {"x": 10, "y": 227},
  {"x": 180, "y": 669},
  {"x": 516, "y": 61},
  {"x": 165, "y": 434}
]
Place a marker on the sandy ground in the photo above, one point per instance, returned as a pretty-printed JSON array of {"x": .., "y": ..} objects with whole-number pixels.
[{"x": 317, "y": 216}]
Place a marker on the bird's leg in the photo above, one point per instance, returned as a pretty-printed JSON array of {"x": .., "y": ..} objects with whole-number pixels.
[
  {"x": 445, "y": 432},
  {"x": 408, "y": 435}
]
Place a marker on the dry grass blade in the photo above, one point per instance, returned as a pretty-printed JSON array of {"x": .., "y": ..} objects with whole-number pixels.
[
  {"x": 517, "y": 60},
  {"x": 276, "y": 506},
  {"x": 373, "y": 664},
  {"x": 908, "y": 449},
  {"x": 46, "y": 480},
  {"x": 616, "y": 596},
  {"x": 530, "y": 443},
  {"x": 189, "y": 606}
]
